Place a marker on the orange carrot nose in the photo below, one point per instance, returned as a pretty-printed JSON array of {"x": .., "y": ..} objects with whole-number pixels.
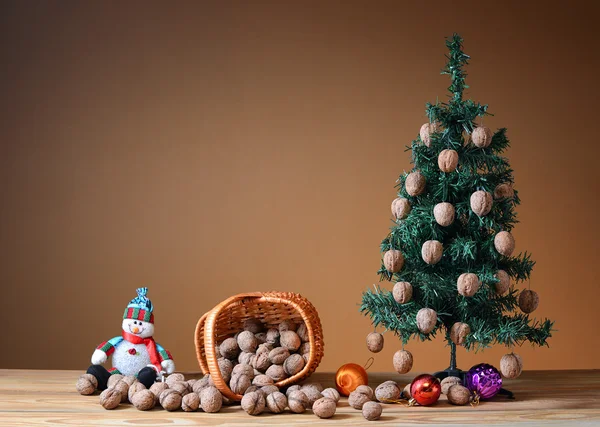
[{"x": 135, "y": 330}]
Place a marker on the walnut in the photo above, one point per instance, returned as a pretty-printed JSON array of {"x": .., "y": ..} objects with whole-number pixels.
[
  {"x": 444, "y": 214},
  {"x": 372, "y": 411},
  {"x": 425, "y": 132},
  {"x": 297, "y": 401},
  {"x": 448, "y": 160},
  {"x": 181, "y": 386},
  {"x": 468, "y": 284},
  {"x": 403, "y": 361},
  {"x": 239, "y": 383},
  {"x": 202, "y": 383},
  {"x": 503, "y": 283},
  {"x": 190, "y": 402},
  {"x": 415, "y": 183},
  {"x": 157, "y": 389},
  {"x": 245, "y": 358},
  {"x": 504, "y": 191},
  {"x": 276, "y": 402},
  {"x": 426, "y": 320},
  {"x": 86, "y": 384},
  {"x": 387, "y": 391},
  {"x": 247, "y": 341},
  {"x": 504, "y": 243},
  {"x": 312, "y": 394},
  {"x": 174, "y": 378},
  {"x": 393, "y": 260},
  {"x": 293, "y": 364},
  {"x": 302, "y": 332},
  {"x": 324, "y": 407},
  {"x": 261, "y": 337},
  {"x": 262, "y": 362},
  {"x": 278, "y": 355},
  {"x": 459, "y": 332},
  {"x": 287, "y": 325},
  {"x": 110, "y": 398},
  {"x": 273, "y": 336},
  {"x": 449, "y": 382},
  {"x": 292, "y": 388},
  {"x": 290, "y": 340},
  {"x": 113, "y": 379},
  {"x": 268, "y": 389},
  {"x": 243, "y": 369},
  {"x": 432, "y": 251},
  {"x": 262, "y": 380},
  {"x": 528, "y": 301},
  {"x": 276, "y": 372},
  {"x": 211, "y": 399},
  {"x": 253, "y": 403},
  {"x": 360, "y": 396},
  {"x": 402, "y": 292},
  {"x": 375, "y": 342},
  {"x": 226, "y": 368},
  {"x": 134, "y": 388},
  {"x": 253, "y": 325},
  {"x": 170, "y": 399},
  {"x": 511, "y": 365},
  {"x": 482, "y": 136},
  {"x": 229, "y": 348},
  {"x": 481, "y": 202},
  {"x": 331, "y": 393},
  {"x": 123, "y": 388},
  {"x": 143, "y": 399},
  {"x": 458, "y": 395},
  {"x": 401, "y": 208}
]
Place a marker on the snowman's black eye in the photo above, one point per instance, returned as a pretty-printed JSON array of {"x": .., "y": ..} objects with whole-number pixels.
[{"x": 135, "y": 322}]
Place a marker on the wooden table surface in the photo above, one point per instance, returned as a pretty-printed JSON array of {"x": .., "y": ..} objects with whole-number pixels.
[{"x": 549, "y": 398}]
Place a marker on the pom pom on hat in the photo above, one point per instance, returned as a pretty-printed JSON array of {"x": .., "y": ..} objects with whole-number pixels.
[{"x": 140, "y": 308}]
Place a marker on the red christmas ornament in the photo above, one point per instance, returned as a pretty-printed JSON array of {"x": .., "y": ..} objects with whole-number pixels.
[{"x": 425, "y": 389}]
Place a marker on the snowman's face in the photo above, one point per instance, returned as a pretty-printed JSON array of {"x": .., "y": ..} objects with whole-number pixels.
[{"x": 138, "y": 327}]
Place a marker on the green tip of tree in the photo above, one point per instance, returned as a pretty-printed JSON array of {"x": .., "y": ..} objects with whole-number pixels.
[{"x": 468, "y": 242}]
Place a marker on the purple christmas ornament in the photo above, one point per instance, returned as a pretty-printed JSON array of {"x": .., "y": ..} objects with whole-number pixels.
[{"x": 483, "y": 380}]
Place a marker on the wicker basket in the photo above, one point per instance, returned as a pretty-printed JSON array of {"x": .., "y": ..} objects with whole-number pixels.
[{"x": 228, "y": 317}]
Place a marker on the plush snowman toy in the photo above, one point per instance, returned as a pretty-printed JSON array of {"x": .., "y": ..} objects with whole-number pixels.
[{"x": 134, "y": 352}]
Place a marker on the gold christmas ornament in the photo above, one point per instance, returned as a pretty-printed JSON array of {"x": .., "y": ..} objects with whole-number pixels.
[
  {"x": 444, "y": 213},
  {"x": 448, "y": 160},
  {"x": 528, "y": 301},
  {"x": 425, "y": 132},
  {"x": 401, "y": 208},
  {"x": 511, "y": 365},
  {"x": 459, "y": 332},
  {"x": 432, "y": 251},
  {"x": 426, "y": 320},
  {"x": 393, "y": 260},
  {"x": 482, "y": 136},
  {"x": 504, "y": 191},
  {"x": 481, "y": 202},
  {"x": 349, "y": 376},
  {"x": 468, "y": 284},
  {"x": 415, "y": 183},
  {"x": 504, "y": 282},
  {"x": 402, "y": 292},
  {"x": 403, "y": 361},
  {"x": 375, "y": 342},
  {"x": 504, "y": 243}
]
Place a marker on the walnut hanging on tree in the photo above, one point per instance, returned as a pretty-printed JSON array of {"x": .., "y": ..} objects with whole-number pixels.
[
  {"x": 432, "y": 251},
  {"x": 415, "y": 183},
  {"x": 503, "y": 282},
  {"x": 402, "y": 361},
  {"x": 448, "y": 160},
  {"x": 444, "y": 214},
  {"x": 459, "y": 332},
  {"x": 402, "y": 292},
  {"x": 482, "y": 136},
  {"x": 425, "y": 132},
  {"x": 426, "y": 320},
  {"x": 528, "y": 301},
  {"x": 468, "y": 284},
  {"x": 504, "y": 243},
  {"x": 393, "y": 260},
  {"x": 375, "y": 342},
  {"x": 504, "y": 191},
  {"x": 511, "y": 365},
  {"x": 481, "y": 202},
  {"x": 401, "y": 208}
]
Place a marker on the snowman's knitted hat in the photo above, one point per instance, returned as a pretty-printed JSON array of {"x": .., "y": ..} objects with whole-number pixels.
[{"x": 140, "y": 308}]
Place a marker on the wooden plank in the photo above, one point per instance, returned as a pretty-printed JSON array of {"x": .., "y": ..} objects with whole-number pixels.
[{"x": 565, "y": 398}]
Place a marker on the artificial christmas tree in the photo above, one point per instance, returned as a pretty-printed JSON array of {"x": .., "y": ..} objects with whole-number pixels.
[{"x": 450, "y": 243}]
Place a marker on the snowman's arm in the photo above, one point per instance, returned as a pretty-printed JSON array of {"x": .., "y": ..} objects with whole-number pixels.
[
  {"x": 164, "y": 354},
  {"x": 105, "y": 349},
  {"x": 166, "y": 359}
]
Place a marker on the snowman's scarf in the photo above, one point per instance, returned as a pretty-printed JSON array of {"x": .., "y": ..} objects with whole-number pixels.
[{"x": 150, "y": 346}]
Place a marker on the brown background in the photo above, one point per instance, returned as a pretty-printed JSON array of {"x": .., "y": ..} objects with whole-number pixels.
[{"x": 205, "y": 149}]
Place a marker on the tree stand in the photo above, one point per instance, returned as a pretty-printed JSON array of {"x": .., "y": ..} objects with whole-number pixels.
[{"x": 453, "y": 371}]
